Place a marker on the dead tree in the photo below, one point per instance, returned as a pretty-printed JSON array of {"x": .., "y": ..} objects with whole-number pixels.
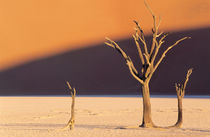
[
  {"x": 180, "y": 91},
  {"x": 149, "y": 63},
  {"x": 71, "y": 122}
]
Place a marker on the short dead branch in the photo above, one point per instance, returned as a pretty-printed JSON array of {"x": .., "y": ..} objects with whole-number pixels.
[
  {"x": 180, "y": 91},
  {"x": 71, "y": 122}
]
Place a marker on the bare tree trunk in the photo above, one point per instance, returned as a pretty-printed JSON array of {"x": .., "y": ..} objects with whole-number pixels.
[
  {"x": 71, "y": 122},
  {"x": 72, "y": 119},
  {"x": 180, "y": 90},
  {"x": 180, "y": 113},
  {"x": 147, "y": 117}
]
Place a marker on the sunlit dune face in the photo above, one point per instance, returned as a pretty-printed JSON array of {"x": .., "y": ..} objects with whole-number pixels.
[{"x": 31, "y": 29}]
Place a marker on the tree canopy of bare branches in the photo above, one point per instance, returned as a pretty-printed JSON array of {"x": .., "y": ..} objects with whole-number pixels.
[{"x": 148, "y": 58}]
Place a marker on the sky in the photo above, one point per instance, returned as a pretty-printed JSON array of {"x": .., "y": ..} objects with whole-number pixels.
[{"x": 33, "y": 29}]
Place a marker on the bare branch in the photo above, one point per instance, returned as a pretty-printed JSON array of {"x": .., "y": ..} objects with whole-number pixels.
[
  {"x": 148, "y": 7},
  {"x": 153, "y": 41},
  {"x": 133, "y": 74},
  {"x": 141, "y": 37},
  {"x": 69, "y": 85},
  {"x": 164, "y": 53},
  {"x": 158, "y": 45},
  {"x": 155, "y": 28},
  {"x": 140, "y": 30},
  {"x": 127, "y": 58},
  {"x": 158, "y": 35},
  {"x": 144, "y": 43},
  {"x": 161, "y": 41},
  {"x": 155, "y": 35},
  {"x": 132, "y": 66},
  {"x": 156, "y": 52},
  {"x": 189, "y": 72},
  {"x": 180, "y": 89},
  {"x": 147, "y": 59},
  {"x": 139, "y": 50},
  {"x": 177, "y": 89},
  {"x": 160, "y": 20}
]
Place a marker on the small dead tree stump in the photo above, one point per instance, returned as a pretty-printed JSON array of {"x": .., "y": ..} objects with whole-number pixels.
[
  {"x": 180, "y": 91},
  {"x": 71, "y": 122}
]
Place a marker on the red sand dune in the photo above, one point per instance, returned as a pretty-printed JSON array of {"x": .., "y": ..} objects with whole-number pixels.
[
  {"x": 101, "y": 70},
  {"x": 32, "y": 29}
]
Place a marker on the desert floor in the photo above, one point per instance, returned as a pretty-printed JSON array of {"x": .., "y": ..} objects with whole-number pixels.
[{"x": 100, "y": 117}]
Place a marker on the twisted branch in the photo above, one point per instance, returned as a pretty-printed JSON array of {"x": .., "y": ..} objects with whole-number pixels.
[{"x": 128, "y": 60}]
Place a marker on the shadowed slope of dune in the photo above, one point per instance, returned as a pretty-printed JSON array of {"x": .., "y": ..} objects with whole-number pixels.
[{"x": 100, "y": 70}]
